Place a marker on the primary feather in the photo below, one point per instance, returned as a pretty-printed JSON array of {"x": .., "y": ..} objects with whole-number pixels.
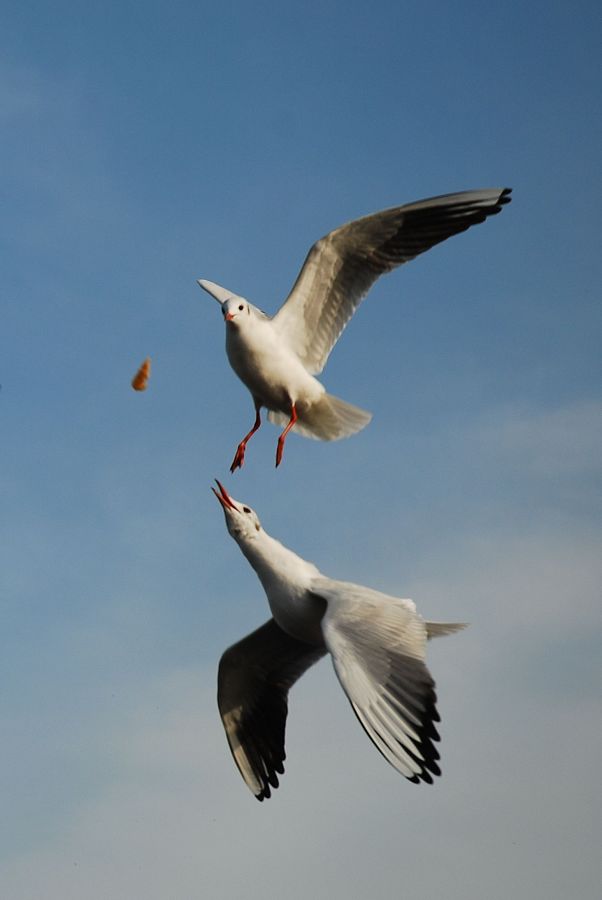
[
  {"x": 377, "y": 644},
  {"x": 277, "y": 358}
]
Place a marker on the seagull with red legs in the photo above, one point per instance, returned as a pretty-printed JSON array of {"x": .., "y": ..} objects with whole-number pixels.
[
  {"x": 377, "y": 644},
  {"x": 278, "y": 357}
]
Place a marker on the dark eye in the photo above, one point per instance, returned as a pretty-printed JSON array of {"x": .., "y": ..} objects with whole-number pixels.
[
  {"x": 241, "y": 307},
  {"x": 246, "y": 509}
]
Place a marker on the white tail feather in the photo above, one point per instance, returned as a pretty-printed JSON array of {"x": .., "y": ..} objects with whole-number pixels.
[
  {"x": 440, "y": 629},
  {"x": 327, "y": 420}
]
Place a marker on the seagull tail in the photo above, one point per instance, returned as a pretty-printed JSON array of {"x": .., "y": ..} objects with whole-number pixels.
[
  {"x": 441, "y": 629},
  {"x": 327, "y": 420}
]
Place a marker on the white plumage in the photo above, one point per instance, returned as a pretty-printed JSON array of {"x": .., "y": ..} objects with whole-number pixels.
[
  {"x": 278, "y": 358},
  {"x": 377, "y": 644}
]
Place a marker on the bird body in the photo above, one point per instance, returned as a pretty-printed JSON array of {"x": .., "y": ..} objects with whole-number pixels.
[
  {"x": 278, "y": 358},
  {"x": 271, "y": 371},
  {"x": 377, "y": 644}
]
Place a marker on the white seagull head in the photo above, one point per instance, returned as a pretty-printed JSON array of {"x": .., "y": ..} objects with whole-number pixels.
[
  {"x": 233, "y": 306},
  {"x": 242, "y": 521},
  {"x": 235, "y": 310}
]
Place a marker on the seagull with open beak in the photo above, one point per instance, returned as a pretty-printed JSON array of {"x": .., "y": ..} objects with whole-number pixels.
[{"x": 377, "y": 644}]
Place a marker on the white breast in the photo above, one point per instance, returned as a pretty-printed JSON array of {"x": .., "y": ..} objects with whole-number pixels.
[{"x": 268, "y": 367}]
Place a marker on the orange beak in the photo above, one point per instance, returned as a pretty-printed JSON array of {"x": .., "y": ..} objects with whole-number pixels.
[{"x": 223, "y": 496}]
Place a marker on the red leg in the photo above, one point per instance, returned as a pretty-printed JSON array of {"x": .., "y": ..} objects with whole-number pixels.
[
  {"x": 239, "y": 456},
  {"x": 282, "y": 438}
]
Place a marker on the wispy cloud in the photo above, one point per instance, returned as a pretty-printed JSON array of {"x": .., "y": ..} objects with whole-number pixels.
[{"x": 559, "y": 442}]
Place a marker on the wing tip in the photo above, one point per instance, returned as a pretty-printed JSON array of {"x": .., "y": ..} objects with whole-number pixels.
[
  {"x": 268, "y": 782},
  {"x": 493, "y": 205},
  {"x": 503, "y": 199},
  {"x": 214, "y": 290},
  {"x": 424, "y": 777}
]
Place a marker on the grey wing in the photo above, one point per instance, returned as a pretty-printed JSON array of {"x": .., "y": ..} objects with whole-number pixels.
[
  {"x": 254, "y": 678},
  {"x": 342, "y": 266},
  {"x": 377, "y": 645}
]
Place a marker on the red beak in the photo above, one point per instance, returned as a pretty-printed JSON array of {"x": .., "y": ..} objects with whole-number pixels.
[
  {"x": 223, "y": 496},
  {"x": 229, "y": 316}
]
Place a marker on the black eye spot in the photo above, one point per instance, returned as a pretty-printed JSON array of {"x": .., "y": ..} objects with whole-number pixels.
[
  {"x": 241, "y": 307},
  {"x": 246, "y": 509}
]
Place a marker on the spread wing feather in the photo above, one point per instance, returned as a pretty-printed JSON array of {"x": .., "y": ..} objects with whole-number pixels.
[
  {"x": 378, "y": 647},
  {"x": 254, "y": 678},
  {"x": 342, "y": 266}
]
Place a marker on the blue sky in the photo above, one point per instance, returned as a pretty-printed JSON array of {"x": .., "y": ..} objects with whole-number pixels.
[{"x": 146, "y": 145}]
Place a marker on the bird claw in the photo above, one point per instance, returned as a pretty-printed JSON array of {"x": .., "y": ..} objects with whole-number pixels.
[{"x": 239, "y": 458}]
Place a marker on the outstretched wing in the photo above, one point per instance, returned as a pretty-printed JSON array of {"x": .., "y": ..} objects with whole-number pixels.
[
  {"x": 378, "y": 647},
  {"x": 253, "y": 681},
  {"x": 342, "y": 266}
]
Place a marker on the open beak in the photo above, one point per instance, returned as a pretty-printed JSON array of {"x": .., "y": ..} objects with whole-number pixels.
[{"x": 223, "y": 497}]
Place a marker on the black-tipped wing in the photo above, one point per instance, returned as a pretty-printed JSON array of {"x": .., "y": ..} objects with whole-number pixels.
[
  {"x": 253, "y": 681},
  {"x": 342, "y": 266},
  {"x": 378, "y": 645}
]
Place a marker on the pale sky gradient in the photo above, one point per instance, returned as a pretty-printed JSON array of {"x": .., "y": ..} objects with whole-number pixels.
[{"x": 148, "y": 144}]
